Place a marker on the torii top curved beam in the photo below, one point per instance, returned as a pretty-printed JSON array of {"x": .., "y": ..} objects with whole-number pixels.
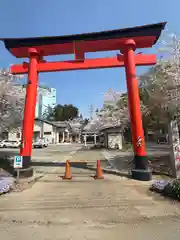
[{"x": 144, "y": 36}]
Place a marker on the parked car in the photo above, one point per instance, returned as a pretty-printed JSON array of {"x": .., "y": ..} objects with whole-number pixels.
[
  {"x": 162, "y": 139},
  {"x": 44, "y": 141},
  {"x": 38, "y": 144},
  {"x": 10, "y": 144},
  {"x": 5, "y": 143},
  {"x": 15, "y": 144}
]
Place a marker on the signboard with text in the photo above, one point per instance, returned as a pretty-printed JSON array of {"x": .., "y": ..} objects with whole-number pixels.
[{"x": 18, "y": 161}]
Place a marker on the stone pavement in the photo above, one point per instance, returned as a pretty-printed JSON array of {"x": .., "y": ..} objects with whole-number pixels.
[
  {"x": 84, "y": 208},
  {"x": 90, "y": 156}
]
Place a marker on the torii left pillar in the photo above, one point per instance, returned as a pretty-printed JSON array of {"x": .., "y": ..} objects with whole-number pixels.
[{"x": 29, "y": 112}]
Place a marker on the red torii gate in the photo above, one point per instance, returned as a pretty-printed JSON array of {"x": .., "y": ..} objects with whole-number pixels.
[{"x": 124, "y": 40}]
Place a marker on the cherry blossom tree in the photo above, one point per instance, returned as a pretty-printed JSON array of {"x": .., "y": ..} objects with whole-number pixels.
[
  {"x": 115, "y": 111},
  {"x": 159, "y": 90},
  {"x": 161, "y": 84},
  {"x": 12, "y": 97}
]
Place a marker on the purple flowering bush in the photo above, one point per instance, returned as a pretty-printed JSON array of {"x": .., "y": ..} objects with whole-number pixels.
[
  {"x": 159, "y": 185},
  {"x": 6, "y": 172},
  {"x": 167, "y": 188},
  {"x": 6, "y": 184}
]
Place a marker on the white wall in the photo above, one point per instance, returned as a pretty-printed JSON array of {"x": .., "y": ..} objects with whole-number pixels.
[
  {"x": 47, "y": 131},
  {"x": 13, "y": 136},
  {"x": 44, "y": 130},
  {"x": 115, "y": 140},
  {"x": 55, "y": 135},
  {"x": 47, "y": 127},
  {"x": 37, "y": 126}
]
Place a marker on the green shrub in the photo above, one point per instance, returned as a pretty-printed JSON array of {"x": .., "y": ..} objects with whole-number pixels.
[
  {"x": 173, "y": 189},
  {"x": 176, "y": 188}
]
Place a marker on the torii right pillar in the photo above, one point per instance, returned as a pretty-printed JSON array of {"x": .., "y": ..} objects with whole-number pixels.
[{"x": 140, "y": 170}]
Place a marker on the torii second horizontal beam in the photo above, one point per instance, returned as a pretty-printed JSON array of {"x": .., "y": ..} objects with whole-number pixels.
[{"x": 109, "y": 62}]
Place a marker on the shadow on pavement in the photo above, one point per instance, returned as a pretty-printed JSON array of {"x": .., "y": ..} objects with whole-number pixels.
[
  {"x": 6, "y": 163},
  {"x": 46, "y": 164},
  {"x": 91, "y": 166},
  {"x": 106, "y": 167},
  {"x": 160, "y": 165},
  {"x": 60, "y": 164}
]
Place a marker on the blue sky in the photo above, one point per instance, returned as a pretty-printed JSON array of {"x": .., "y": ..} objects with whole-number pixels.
[{"x": 28, "y": 18}]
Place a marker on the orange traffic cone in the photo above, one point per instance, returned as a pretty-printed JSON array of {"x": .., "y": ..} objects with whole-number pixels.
[
  {"x": 67, "y": 175},
  {"x": 99, "y": 174}
]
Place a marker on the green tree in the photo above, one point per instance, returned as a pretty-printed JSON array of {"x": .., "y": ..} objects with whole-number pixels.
[{"x": 63, "y": 112}]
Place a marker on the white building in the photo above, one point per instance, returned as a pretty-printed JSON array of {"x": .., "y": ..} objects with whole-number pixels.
[
  {"x": 110, "y": 136},
  {"x": 53, "y": 132}
]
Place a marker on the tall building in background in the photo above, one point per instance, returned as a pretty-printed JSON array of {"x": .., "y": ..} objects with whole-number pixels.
[{"x": 46, "y": 99}]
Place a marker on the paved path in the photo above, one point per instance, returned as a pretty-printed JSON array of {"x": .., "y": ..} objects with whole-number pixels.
[
  {"x": 44, "y": 160},
  {"x": 85, "y": 208}
]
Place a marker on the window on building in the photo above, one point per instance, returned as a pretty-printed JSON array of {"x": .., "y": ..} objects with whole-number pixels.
[{"x": 47, "y": 133}]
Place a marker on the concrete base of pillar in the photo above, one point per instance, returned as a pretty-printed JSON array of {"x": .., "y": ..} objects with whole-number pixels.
[
  {"x": 142, "y": 175},
  {"x": 141, "y": 170},
  {"x": 26, "y": 162},
  {"x": 24, "y": 172}
]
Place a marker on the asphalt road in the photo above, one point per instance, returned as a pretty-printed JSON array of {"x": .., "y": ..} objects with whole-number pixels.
[
  {"x": 44, "y": 159},
  {"x": 47, "y": 158},
  {"x": 55, "y": 150}
]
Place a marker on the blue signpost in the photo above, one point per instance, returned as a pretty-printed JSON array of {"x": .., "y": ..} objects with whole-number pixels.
[
  {"x": 18, "y": 160},
  {"x": 18, "y": 163}
]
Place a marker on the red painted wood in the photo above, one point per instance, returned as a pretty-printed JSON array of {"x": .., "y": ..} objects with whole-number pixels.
[
  {"x": 133, "y": 99},
  {"x": 118, "y": 61},
  {"x": 30, "y": 105},
  {"x": 83, "y": 46}
]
